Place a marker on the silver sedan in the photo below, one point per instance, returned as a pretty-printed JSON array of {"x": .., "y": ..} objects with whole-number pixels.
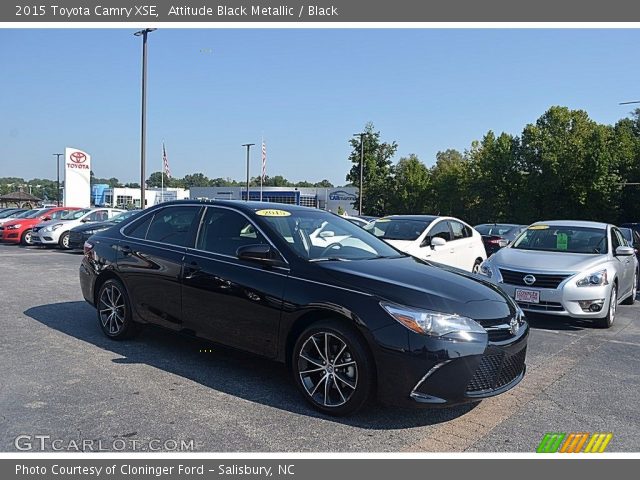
[{"x": 572, "y": 268}]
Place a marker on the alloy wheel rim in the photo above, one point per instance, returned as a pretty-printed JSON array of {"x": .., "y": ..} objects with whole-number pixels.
[
  {"x": 27, "y": 238},
  {"x": 327, "y": 369},
  {"x": 612, "y": 306},
  {"x": 65, "y": 241},
  {"x": 112, "y": 309}
]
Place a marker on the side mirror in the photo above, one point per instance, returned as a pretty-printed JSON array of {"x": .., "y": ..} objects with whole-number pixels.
[
  {"x": 624, "y": 251},
  {"x": 438, "y": 242},
  {"x": 259, "y": 253},
  {"x": 46, "y": 218}
]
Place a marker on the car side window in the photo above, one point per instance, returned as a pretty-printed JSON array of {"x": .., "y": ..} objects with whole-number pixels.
[
  {"x": 459, "y": 230},
  {"x": 97, "y": 216},
  {"x": 224, "y": 231},
  {"x": 616, "y": 240},
  {"x": 58, "y": 213},
  {"x": 441, "y": 230},
  {"x": 139, "y": 229},
  {"x": 172, "y": 225}
]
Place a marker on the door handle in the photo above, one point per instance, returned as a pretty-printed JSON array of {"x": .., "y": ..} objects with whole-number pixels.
[{"x": 192, "y": 270}]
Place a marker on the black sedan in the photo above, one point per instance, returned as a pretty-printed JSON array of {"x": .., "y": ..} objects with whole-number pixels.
[
  {"x": 80, "y": 234},
  {"x": 353, "y": 318},
  {"x": 498, "y": 235}
]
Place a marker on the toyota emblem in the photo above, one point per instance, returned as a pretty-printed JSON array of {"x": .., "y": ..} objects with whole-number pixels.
[
  {"x": 529, "y": 279},
  {"x": 78, "y": 157}
]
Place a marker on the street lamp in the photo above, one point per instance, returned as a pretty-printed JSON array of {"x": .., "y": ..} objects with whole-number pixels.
[
  {"x": 248, "y": 145},
  {"x": 143, "y": 33},
  {"x": 360, "y": 192},
  {"x": 58, "y": 155}
]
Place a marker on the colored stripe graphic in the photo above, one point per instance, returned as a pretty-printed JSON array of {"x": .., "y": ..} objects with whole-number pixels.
[{"x": 555, "y": 442}]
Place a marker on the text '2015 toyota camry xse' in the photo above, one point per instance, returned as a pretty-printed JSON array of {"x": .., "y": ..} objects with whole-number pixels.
[{"x": 351, "y": 316}]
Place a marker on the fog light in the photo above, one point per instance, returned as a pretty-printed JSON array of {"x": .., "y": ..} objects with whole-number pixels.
[{"x": 591, "y": 305}]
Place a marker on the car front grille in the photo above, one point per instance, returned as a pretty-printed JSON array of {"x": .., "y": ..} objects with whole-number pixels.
[
  {"x": 542, "y": 280},
  {"x": 542, "y": 306},
  {"x": 495, "y": 371}
]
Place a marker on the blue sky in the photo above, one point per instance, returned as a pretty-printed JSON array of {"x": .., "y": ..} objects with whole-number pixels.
[{"x": 305, "y": 90}]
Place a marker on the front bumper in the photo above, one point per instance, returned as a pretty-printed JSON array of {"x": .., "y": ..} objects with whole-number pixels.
[
  {"x": 77, "y": 239},
  {"x": 565, "y": 300},
  {"x": 443, "y": 373},
  {"x": 45, "y": 238},
  {"x": 10, "y": 236}
]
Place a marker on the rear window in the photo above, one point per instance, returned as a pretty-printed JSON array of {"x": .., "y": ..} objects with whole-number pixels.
[
  {"x": 494, "y": 229},
  {"x": 397, "y": 229}
]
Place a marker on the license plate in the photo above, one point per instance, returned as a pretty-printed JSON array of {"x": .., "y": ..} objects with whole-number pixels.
[{"x": 527, "y": 296}]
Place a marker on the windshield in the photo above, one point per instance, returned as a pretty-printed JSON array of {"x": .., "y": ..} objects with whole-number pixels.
[
  {"x": 123, "y": 216},
  {"x": 10, "y": 213},
  {"x": 76, "y": 214},
  {"x": 563, "y": 239},
  {"x": 33, "y": 213},
  {"x": 319, "y": 236},
  {"x": 397, "y": 228},
  {"x": 494, "y": 229}
]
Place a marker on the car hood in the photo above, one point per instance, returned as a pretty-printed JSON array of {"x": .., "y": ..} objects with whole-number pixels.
[
  {"x": 538, "y": 261},
  {"x": 416, "y": 283},
  {"x": 93, "y": 226}
]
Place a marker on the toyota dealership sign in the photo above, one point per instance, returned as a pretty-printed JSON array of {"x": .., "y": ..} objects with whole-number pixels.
[{"x": 77, "y": 178}]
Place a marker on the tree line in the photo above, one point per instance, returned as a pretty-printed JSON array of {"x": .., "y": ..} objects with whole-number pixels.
[{"x": 563, "y": 166}]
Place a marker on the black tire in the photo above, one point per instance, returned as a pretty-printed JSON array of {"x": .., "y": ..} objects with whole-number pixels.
[
  {"x": 114, "y": 311},
  {"x": 63, "y": 242},
  {"x": 607, "y": 321},
  {"x": 476, "y": 266},
  {"x": 25, "y": 239},
  {"x": 631, "y": 299},
  {"x": 344, "y": 385}
]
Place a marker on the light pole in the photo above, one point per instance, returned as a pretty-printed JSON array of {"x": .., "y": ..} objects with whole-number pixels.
[
  {"x": 58, "y": 155},
  {"x": 143, "y": 33},
  {"x": 360, "y": 191},
  {"x": 248, "y": 145}
]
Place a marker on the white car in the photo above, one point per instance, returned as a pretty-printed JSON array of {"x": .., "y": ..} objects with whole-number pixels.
[
  {"x": 570, "y": 268},
  {"x": 444, "y": 240},
  {"x": 56, "y": 232}
]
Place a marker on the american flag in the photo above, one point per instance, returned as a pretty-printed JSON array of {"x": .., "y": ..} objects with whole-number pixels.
[
  {"x": 165, "y": 162},
  {"x": 264, "y": 160}
]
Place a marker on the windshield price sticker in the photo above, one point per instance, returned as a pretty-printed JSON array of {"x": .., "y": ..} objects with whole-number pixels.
[
  {"x": 562, "y": 241},
  {"x": 273, "y": 213},
  {"x": 538, "y": 227}
]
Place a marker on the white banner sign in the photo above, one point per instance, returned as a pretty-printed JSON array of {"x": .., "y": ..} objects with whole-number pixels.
[{"x": 77, "y": 178}]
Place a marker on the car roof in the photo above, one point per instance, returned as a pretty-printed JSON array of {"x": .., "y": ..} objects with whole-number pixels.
[
  {"x": 573, "y": 223},
  {"x": 420, "y": 218},
  {"x": 500, "y": 224},
  {"x": 243, "y": 205}
]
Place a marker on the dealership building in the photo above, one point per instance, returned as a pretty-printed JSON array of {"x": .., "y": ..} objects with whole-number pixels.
[
  {"x": 105, "y": 196},
  {"x": 324, "y": 198}
]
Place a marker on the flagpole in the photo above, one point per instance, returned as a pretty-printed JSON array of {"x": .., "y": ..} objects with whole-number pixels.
[
  {"x": 162, "y": 174},
  {"x": 262, "y": 167}
]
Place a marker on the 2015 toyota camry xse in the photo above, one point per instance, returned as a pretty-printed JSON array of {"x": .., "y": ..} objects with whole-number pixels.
[{"x": 352, "y": 317}]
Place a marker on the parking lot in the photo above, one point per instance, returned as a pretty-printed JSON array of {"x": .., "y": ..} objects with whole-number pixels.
[{"x": 61, "y": 377}]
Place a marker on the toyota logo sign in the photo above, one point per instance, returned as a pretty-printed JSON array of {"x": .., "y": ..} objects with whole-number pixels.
[{"x": 78, "y": 157}]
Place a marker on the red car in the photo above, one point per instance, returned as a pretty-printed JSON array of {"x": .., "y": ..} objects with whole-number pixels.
[{"x": 19, "y": 230}]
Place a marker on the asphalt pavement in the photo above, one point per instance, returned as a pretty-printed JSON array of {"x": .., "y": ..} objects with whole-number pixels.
[{"x": 64, "y": 386}]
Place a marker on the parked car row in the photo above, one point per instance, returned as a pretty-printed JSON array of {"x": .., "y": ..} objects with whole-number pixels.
[{"x": 51, "y": 226}]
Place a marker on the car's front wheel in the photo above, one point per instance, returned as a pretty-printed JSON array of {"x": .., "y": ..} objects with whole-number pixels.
[
  {"x": 26, "y": 238},
  {"x": 607, "y": 321},
  {"x": 333, "y": 368},
  {"x": 64, "y": 241},
  {"x": 114, "y": 311}
]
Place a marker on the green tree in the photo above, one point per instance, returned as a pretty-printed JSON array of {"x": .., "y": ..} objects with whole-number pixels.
[
  {"x": 378, "y": 180},
  {"x": 450, "y": 184},
  {"x": 195, "y": 180},
  {"x": 411, "y": 187},
  {"x": 323, "y": 184}
]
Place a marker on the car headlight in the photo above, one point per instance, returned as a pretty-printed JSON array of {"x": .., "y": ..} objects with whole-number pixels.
[
  {"x": 594, "y": 279},
  {"x": 485, "y": 269},
  {"x": 436, "y": 324},
  {"x": 52, "y": 228},
  {"x": 14, "y": 227}
]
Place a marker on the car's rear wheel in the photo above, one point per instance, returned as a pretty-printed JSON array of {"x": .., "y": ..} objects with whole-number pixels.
[
  {"x": 476, "y": 266},
  {"x": 332, "y": 368},
  {"x": 26, "y": 238},
  {"x": 607, "y": 321},
  {"x": 64, "y": 241},
  {"x": 114, "y": 311}
]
